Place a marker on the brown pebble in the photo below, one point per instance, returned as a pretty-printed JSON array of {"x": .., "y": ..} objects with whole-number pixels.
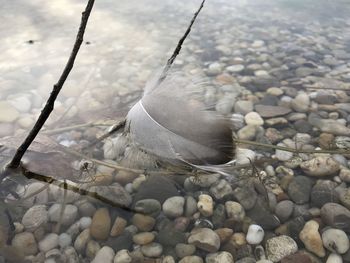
[
  {"x": 101, "y": 224},
  {"x": 118, "y": 226},
  {"x": 143, "y": 222},
  {"x": 224, "y": 234}
]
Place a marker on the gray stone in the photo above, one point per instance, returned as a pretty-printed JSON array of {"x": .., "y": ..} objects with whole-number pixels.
[
  {"x": 174, "y": 206},
  {"x": 243, "y": 106},
  {"x": 267, "y": 111},
  {"x": 220, "y": 189},
  {"x": 69, "y": 214},
  {"x": 261, "y": 213},
  {"x": 284, "y": 210},
  {"x": 49, "y": 242},
  {"x": 324, "y": 192},
  {"x": 148, "y": 206},
  {"x": 299, "y": 189},
  {"x": 336, "y": 215},
  {"x": 246, "y": 196}
]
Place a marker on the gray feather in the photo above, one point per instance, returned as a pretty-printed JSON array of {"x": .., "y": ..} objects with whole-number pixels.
[{"x": 170, "y": 122}]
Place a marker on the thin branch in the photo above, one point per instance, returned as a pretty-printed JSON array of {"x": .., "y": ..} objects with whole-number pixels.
[
  {"x": 115, "y": 128},
  {"x": 75, "y": 189},
  {"x": 45, "y": 113},
  {"x": 179, "y": 45}
]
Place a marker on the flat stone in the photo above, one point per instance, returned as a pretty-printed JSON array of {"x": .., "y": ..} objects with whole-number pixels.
[
  {"x": 35, "y": 217},
  {"x": 320, "y": 166},
  {"x": 267, "y": 111},
  {"x": 152, "y": 250},
  {"x": 205, "y": 239},
  {"x": 336, "y": 215},
  {"x": 174, "y": 206},
  {"x": 105, "y": 254}
]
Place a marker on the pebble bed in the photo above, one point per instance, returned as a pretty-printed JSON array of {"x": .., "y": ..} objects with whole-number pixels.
[{"x": 281, "y": 77}]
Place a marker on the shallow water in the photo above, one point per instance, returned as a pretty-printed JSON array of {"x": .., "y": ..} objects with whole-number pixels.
[{"x": 286, "y": 60}]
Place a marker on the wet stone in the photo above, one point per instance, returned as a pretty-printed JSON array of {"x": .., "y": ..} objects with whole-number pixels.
[
  {"x": 246, "y": 196},
  {"x": 261, "y": 213},
  {"x": 336, "y": 215},
  {"x": 324, "y": 192},
  {"x": 279, "y": 247},
  {"x": 205, "y": 239},
  {"x": 299, "y": 189},
  {"x": 312, "y": 238},
  {"x": 101, "y": 224}
]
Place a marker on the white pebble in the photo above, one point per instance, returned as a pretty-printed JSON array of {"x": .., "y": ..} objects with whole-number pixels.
[
  {"x": 255, "y": 234},
  {"x": 64, "y": 240},
  {"x": 85, "y": 222},
  {"x": 334, "y": 258}
]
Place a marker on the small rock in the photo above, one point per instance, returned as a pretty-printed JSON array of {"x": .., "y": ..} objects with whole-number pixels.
[
  {"x": 262, "y": 214},
  {"x": 191, "y": 259},
  {"x": 92, "y": 247},
  {"x": 279, "y": 247},
  {"x": 345, "y": 175},
  {"x": 69, "y": 214},
  {"x": 105, "y": 255},
  {"x": 255, "y": 234},
  {"x": 81, "y": 240},
  {"x": 335, "y": 240},
  {"x": 50, "y": 241},
  {"x": 247, "y": 132},
  {"x": 324, "y": 192},
  {"x": 174, "y": 206},
  {"x": 143, "y": 222},
  {"x": 122, "y": 256},
  {"x": 246, "y": 196},
  {"x": 35, "y": 217},
  {"x": 118, "y": 226},
  {"x": 268, "y": 111},
  {"x": 85, "y": 222},
  {"x": 320, "y": 166},
  {"x": 184, "y": 250},
  {"x": 190, "y": 206},
  {"x": 334, "y": 258},
  {"x": 205, "y": 205},
  {"x": 220, "y": 189},
  {"x": 25, "y": 243},
  {"x": 101, "y": 224},
  {"x": 205, "y": 239},
  {"x": 244, "y": 156},
  {"x": 253, "y": 118},
  {"x": 301, "y": 102},
  {"x": 336, "y": 215},
  {"x": 64, "y": 240},
  {"x": 143, "y": 238},
  {"x": 312, "y": 238},
  {"x": 219, "y": 257},
  {"x": 243, "y": 107},
  {"x": 235, "y": 68},
  {"x": 234, "y": 210},
  {"x": 150, "y": 207},
  {"x": 284, "y": 210},
  {"x": 152, "y": 250},
  {"x": 299, "y": 189},
  {"x": 214, "y": 69}
]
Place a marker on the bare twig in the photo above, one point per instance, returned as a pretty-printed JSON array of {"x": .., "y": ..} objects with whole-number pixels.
[
  {"x": 45, "y": 113},
  {"x": 114, "y": 129},
  {"x": 179, "y": 45},
  {"x": 75, "y": 189}
]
